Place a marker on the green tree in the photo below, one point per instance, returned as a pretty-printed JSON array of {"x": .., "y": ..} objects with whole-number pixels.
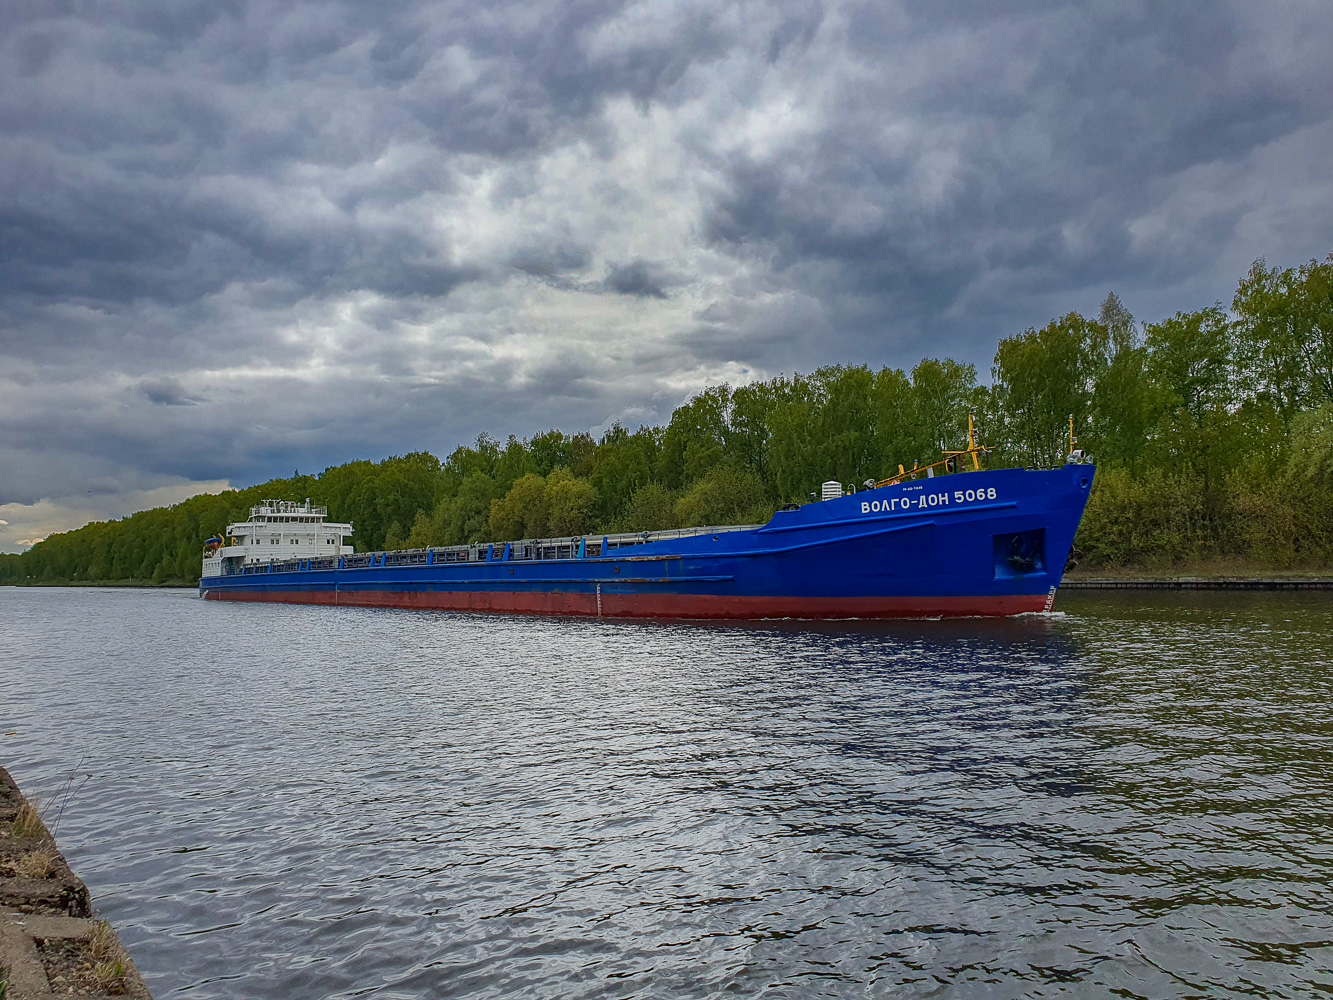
[
  {"x": 514, "y": 462},
  {"x": 621, "y": 463},
  {"x": 521, "y": 512},
  {"x": 1041, "y": 378},
  {"x": 1122, "y": 329},
  {"x": 549, "y": 450},
  {"x": 748, "y": 435},
  {"x": 1284, "y": 323},
  {"x": 11, "y": 568},
  {"x": 848, "y": 448},
  {"x": 725, "y": 495},
  {"x": 650, "y": 508},
  {"x": 795, "y": 460},
  {"x": 1121, "y": 409},
  {"x": 479, "y": 458},
  {"x": 1189, "y": 364},
  {"x": 898, "y": 439},
  {"x": 465, "y": 517},
  {"x": 941, "y": 396},
  {"x": 696, "y": 436},
  {"x": 1310, "y": 452},
  {"x": 393, "y": 538},
  {"x": 423, "y": 533},
  {"x": 571, "y": 503}
]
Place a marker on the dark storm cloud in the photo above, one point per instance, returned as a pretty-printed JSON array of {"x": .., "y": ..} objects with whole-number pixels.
[
  {"x": 238, "y": 237},
  {"x": 636, "y": 277},
  {"x": 552, "y": 259},
  {"x": 166, "y": 392},
  {"x": 1033, "y": 141}
]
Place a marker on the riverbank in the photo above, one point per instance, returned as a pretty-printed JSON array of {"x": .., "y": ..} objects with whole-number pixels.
[
  {"x": 50, "y": 944},
  {"x": 1197, "y": 583},
  {"x": 144, "y": 584},
  {"x": 1204, "y": 576}
]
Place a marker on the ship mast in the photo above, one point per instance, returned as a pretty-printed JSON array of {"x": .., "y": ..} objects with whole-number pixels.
[{"x": 949, "y": 462}]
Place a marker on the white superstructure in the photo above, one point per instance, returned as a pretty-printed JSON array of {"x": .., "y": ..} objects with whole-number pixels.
[{"x": 279, "y": 530}]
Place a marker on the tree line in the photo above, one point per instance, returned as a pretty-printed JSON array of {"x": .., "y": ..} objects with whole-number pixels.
[{"x": 1212, "y": 430}]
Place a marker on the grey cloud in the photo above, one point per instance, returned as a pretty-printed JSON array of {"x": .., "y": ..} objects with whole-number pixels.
[
  {"x": 35, "y": 52},
  {"x": 166, "y": 392},
  {"x": 236, "y": 238},
  {"x": 1049, "y": 132},
  {"x": 551, "y": 259},
  {"x": 174, "y": 182},
  {"x": 638, "y": 278}
]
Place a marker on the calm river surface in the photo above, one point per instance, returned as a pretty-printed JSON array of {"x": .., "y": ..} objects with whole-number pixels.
[{"x": 1130, "y": 797}]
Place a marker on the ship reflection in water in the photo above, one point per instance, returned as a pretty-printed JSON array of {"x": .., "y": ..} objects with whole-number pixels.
[{"x": 1128, "y": 797}]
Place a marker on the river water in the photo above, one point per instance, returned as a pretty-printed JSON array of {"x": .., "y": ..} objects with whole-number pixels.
[{"x": 1132, "y": 797}]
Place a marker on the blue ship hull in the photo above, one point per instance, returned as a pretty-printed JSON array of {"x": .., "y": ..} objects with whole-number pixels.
[{"x": 978, "y": 543}]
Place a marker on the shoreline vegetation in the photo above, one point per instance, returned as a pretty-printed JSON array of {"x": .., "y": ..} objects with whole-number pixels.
[
  {"x": 117, "y": 584},
  {"x": 1212, "y": 431}
]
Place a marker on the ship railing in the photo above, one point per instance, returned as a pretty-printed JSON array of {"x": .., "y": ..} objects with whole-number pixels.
[
  {"x": 668, "y": 534},
  {"x": 543, "y": 549},
  {"x": 284, "y": 566},
  {"x": 407, "y": 557},
  {"x": 287, "y": 507},
  {"x": 523, "y": 550}
]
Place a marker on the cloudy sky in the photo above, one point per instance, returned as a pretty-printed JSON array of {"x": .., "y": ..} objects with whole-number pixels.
[{"x": 239, "y": 238}]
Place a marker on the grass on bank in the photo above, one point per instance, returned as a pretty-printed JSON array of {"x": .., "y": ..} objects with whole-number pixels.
[
  {"x": 38, "y": 864},
  {"x": 109, "y": 957},
  {"x": 28, "y": 823}
]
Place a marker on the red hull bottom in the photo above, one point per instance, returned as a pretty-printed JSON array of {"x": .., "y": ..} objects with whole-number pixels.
[{"x": 659, "y": 605}]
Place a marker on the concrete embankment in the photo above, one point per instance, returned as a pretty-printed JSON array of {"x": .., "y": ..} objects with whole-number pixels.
[
  {"x": 50, "y": 944},
  {"x": 1196, "y": 583}
]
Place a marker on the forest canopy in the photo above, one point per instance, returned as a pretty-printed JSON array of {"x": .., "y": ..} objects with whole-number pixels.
[{"x": 1212, "y": 431}]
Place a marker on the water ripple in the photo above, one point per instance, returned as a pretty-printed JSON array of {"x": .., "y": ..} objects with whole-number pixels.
[{"x": 1130, "y": 797}]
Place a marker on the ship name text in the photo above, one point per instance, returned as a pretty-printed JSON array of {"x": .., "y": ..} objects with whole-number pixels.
[{"x": 927, "y": 500}]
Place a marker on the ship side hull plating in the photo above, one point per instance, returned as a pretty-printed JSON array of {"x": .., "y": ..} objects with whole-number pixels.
[{"x": 982, "y": 543}]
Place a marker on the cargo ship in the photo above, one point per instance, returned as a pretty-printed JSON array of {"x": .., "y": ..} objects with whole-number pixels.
[{"x": 919, "y": 544}]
